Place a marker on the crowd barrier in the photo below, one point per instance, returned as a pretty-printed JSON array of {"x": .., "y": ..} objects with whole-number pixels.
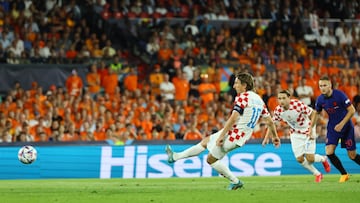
[
  {"x": 44, "y": 74},
  {"x": 150, "y": 161}
]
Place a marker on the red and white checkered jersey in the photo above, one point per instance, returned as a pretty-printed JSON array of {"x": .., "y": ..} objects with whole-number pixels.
[
  {"x": 297, "y": 116},
  {"x": 252, "y": 107}
]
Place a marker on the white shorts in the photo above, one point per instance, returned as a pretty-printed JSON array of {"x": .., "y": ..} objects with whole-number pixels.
[
  {"x": 217, "y": 151},
  {"x": 301, "y": 144}
]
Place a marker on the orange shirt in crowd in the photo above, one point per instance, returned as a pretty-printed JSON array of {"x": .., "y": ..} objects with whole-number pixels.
[
  {"x": 192, "y": 135},
  {"x": 74, "y": 84},
  {"x": 71, "y": 54},
  {"x": 99, "y": 134},
  {"x": 295, "y": 67},
  {"x": 351, "y": 91},
  {"x": 103, "y": 72},
  {"x": 259, "y": 134},
  {"x": 272, "y": 103},
  {"x": 207, "y": 91},
  {"x": 313, "y": 82},
  {"x": 130, "y": 82},
  {"x": 333, "y": 70},
  {"x": 182, "y": 88},
  {"x": 156, "y": 78},
  {"x": 110, "y": 83},
  {"x": 93, "y": 80},
  {"x": 166, "y": 136},
  {"x": 165, "y": 54},
  {"x": 310, "y": 63},
  {"x": 67, "y": 137},
  {"x": 258, "y": 68},
  {"x": 323, "y": 70}
]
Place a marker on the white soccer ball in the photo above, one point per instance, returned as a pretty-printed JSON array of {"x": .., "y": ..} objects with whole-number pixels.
[{"x": 27, "y": 154}]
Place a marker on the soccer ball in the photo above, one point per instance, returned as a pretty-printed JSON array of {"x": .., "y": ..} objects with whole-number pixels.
[{"x": 27, "y": 154}]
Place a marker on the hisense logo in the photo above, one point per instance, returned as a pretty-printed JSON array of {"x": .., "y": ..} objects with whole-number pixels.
[{"x": 135, "y": 162}]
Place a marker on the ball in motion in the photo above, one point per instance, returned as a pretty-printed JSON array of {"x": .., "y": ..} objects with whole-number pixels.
[{"x": 27, "y": 154}]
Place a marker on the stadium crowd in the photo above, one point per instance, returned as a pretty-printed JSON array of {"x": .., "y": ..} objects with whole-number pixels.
[{"x": 179, "y": 94}]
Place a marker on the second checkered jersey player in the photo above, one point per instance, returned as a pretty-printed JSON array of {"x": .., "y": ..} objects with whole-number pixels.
[{"x": 302, "y": 136}]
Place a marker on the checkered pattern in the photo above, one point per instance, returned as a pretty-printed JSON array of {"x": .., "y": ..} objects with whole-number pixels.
[
  {"x": 297, "y": 116},
  {"x": 247, "y": 101},
  {"x": 242, "y": 100}
]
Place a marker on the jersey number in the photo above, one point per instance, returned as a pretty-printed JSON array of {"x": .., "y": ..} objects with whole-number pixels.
[{"x": 254, "y": 118}]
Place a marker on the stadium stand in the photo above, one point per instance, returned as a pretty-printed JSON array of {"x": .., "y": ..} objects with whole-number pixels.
[{"x": 279, "y": 42}]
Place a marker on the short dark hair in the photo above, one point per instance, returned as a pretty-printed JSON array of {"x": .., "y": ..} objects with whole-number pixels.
[
  {"x": 247, "y": 79},
  {"x": 287, "y": 92},
  {"x": 325, "y": 77}
]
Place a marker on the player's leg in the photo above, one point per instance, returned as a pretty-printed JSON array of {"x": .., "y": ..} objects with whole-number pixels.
[
  {"x": 215, "y": 154},
  {"x": 310, "y": 166},
  {"x": 335, "y": 161},
  {"x": 311, "y": 157},
  {"x": 354, "y": 156},
  {"x": 189, "y": 152},
  {"x": 224, "y": 170},
  {"x": 300, "y": 146},
  {"x": 331, "y": 144},
  {"x": 350, "y": 144}
]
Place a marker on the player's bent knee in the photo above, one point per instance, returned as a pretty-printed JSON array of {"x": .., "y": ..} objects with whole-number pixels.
[
  {"x": 310, "y": 158},
  {"x": 300, "y": 159},
  {"x": 210, "y": 159},
  {"x": 351, "y": 155}
]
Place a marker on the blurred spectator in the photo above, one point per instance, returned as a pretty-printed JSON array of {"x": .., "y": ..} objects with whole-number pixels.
[
  {"x": 166, "y": 134},
  {"x": 304, "y": 92},
  {"x": 117, "y": 67},
  {"x": 191, "y": 27},
  {"x": 108, "y": 51},
  {"x": 167, "y": 89},
  {"x": 181, "y": 85},
  {"x": 189, "y": 69},
  {"x": 193, "y": 133},
  {"x": 110, "y": 82},
  {"x": 156, "y": 78},
  {"x": 194, "y": 85},
  {"x": 207, "y": 90},
  {"x": 152, "y": 48},
  {"x": 74, "y": 84},
  {"x": 164, "y": 52},
  {"x": 93, "y": 80},
  {"x": 131, "y": 80}
]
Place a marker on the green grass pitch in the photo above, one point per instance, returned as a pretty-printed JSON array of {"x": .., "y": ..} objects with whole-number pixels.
[{"x": 301, "y": 188}]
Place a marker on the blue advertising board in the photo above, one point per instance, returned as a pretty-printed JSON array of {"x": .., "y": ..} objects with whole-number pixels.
[{"x": 150, "y": 161}]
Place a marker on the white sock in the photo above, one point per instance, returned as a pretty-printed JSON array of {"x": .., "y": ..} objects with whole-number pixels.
[
  {"x": 189, "y": 152},
  {"x": 319, "y": 158},
  {"x": 310, "y": 167},
  {"x": 224, "y": 171}
]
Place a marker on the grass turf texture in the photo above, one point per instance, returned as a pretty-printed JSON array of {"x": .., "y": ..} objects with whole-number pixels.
[{"x": 256, "y": 189}]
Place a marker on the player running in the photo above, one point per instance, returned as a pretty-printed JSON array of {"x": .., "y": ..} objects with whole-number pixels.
[
  {"x": 302, "y": 135},
  {"x": 340, "y": 127}
]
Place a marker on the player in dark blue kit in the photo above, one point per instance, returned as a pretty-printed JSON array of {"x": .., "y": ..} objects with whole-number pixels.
[{"x": 339, "y": 127}]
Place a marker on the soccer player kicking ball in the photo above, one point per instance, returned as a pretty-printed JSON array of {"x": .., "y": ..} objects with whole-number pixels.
[
  {"x": 247, "y": 110},
  {"x": 340, "y": 110},
  {"x": 302, "y": 135}
]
